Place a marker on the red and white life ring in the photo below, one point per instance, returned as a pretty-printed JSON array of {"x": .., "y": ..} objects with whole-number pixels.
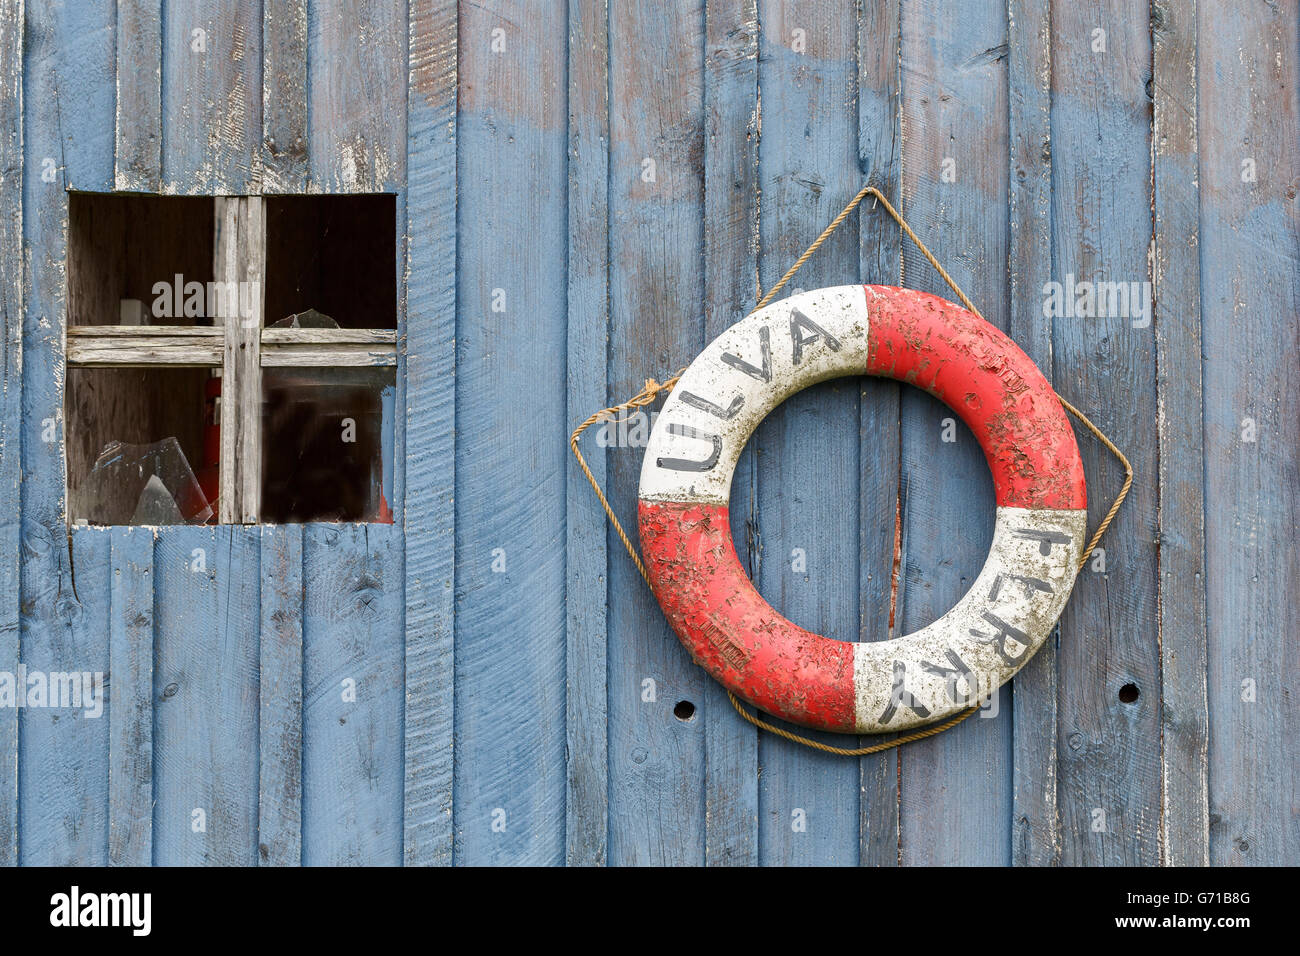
[{"x": 715, "y": 609}]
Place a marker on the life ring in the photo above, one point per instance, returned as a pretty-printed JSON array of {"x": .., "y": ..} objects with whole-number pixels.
[{"x": 1038, "y": 536}]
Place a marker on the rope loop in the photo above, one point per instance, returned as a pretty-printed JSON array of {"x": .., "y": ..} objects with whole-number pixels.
[{"x": 653, "y": 389}]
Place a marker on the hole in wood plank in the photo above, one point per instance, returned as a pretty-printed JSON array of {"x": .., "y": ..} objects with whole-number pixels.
[
  {"x": 1129, "y": 693},
  {"x": 684, "y": 711}
]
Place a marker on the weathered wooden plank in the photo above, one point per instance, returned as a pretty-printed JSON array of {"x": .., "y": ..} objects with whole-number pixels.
[
  {"x": 64, "y": 744},
  {"x": 808, "y": 474},
  {"x": 1035, "y": 822},
  {"x": 280, "y": 693},
  {"x": 130, "y": 709},
  {"x": 328, "y": 348},
  {"x": 880, "y": 260},
  {"x": 586, "y": 554},
  {"x": 352, "y": 696},
  {"x": 239, "y": 256},
  {"x": 106, "y": 346},
  {"x": 656, "y": 760},
  {"x": 137, "y": 162},
  {"x": 954, "y": 193},
  {"x": 206, "y": 620},
  {"x": 510, "y": 643},
  {"x": 427, "y": 367},
  {"x": 11, "y": 374},
  {"x": 211, "y": 97},
  {"x": 1185, "y": 823},
  {"x": 356, "y": 136},
  {"x": 285, "y": 159},
  {"x": 1109, "y": 784},
  {"x": 730, "y": 290},
  {"x": 1250, "y": 232},
  {"x": 68, "y": 69}
]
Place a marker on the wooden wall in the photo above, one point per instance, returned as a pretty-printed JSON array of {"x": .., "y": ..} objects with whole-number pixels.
[{"x": 586, "y": 193}]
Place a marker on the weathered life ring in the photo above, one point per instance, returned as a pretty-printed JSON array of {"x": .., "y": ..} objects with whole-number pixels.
[{"x": 715, "y": 609}]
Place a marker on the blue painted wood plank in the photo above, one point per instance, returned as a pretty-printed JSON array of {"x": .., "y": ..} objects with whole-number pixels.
[
  {"x": 426, "y": 373},
  {"x": 1185, "y": 823},
  {"x": 1250, "y": 233},
  {"x": 67, "y": 142},
  {"x": 731, "y": 118},
  {"x": 11, "y": 373},
  {"x": 286, "y": 157},
  {"x": 954, "y": 122},
  {"x": 510, "y": 478},
  {"x": 880, "y": 260},
  {"x": 352, "y": 696},
  {"x": 656, "y": 760},
  {"x": 586, "y": 581},
  {"x": 206, "y": 614},
  {"x": 280, "y": 710},
  {"x": 356, "y": 81},
  {"x": 808, "y": 462},
  {"x": 211, "y": 97},
  {"x": 130, "y": 709},
  {"x": 1109, "y": 783},
  {"x": 63, "y": 745},
  {"x": 137, "y": 161},
  {"x": 1035, "y": 825}
]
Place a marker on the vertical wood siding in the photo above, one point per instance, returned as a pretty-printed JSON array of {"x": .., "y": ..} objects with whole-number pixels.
[{"x": 586, "y": 194}]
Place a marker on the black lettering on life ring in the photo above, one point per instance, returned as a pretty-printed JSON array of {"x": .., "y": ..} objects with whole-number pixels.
[
  {"x": 999, "y": 637},
  {"x": 960, "y": 670},
  {"x": 717, "y": 411},
  {"x": 1045, "y": 539},
  {"x": 763, "y": 374},
  {"x": 799, "y": 322},
  {"x": 687, "y": 464},
  {"x": 898, "y": 694}
]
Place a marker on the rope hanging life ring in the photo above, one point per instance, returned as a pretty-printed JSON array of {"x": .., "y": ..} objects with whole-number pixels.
[{"x": 1038, "y": 536}]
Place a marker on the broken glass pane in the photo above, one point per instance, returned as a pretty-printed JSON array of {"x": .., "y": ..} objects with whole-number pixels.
[
  {"x": 327, "y": 444},
  {"x": 311, "y": 319},
  {"x": 143, "y": 484}
]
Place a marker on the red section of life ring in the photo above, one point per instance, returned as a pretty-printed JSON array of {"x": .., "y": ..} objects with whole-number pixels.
[{"x": 715, "y": 609}]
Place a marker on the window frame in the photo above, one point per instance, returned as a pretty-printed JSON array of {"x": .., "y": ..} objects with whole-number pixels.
[{"x": 240, "y": 347}]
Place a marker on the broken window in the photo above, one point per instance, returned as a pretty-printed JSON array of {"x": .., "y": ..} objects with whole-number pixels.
[{"x": 230, "y": 359}]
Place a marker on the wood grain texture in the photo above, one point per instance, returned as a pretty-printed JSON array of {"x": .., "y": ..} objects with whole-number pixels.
[
  {"x": 11, "y": 372},
  {"x": 286, "y": 160},
  {"x": 1125, "y": 163},
  {"x": 64, "y": 751},
  {"x": 328, "y": 348},
  {"x": 1109, "y": 783},
  {"x": 1035, "y": 822},
  {"x": 211, "y": 97},
  {"x": 510, "y": 479},
  {"x": 137, "y": 157},
  {"x": 356, "y": 136},
  {"x": 207, "y": 613},
  {"x": 656, "y": 761},
  {"x": 880, "y": 260},
  {"x": 239, "y": 256},
  {"x": 280, "y": 698},
  {"x": 68, "y": 69},
  {"x": 808, "y": 472},
  {"x": 1176, "y": 280},
  {"x": 1249, "y": 109},
  {"x": 427, "y": 366},
  {"x": 954, "y": 121},
  {"x": 352, "y": 696},
  {"x": 731, "y": 119},
  {"x": 586, "y": 555},
  {"x": 106, "y": 346},
  {"x": 130, "y": 691}
]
